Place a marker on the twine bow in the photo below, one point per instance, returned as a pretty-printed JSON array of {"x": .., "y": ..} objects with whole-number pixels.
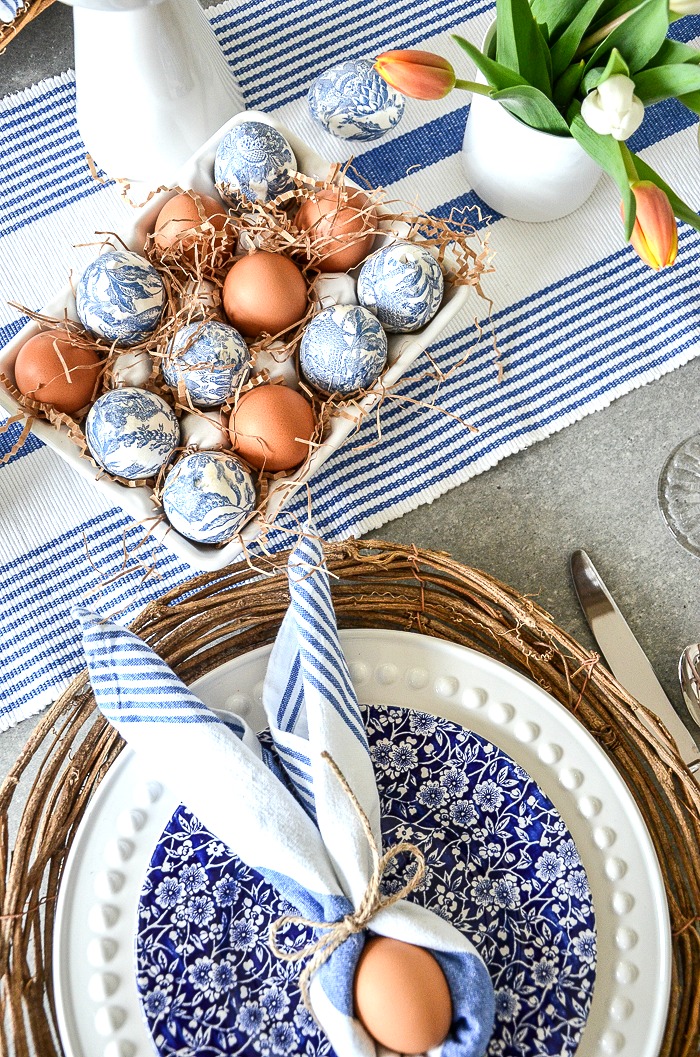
[{"x": 373, "y": 900}]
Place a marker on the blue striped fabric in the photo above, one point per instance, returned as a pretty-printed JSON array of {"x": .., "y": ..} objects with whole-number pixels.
[
  {"x": 579, "y": 320},
  {"x": 308, "y": 648}
]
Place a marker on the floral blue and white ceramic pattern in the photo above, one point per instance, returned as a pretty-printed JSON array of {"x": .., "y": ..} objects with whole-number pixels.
[
  {"x": 255, "y": 160},
  {"x": 343, "y": 349},
  {"x": 211, "y": 359},
  {"x": 120, "y": 296},
  {"x": 501, "y": 866},
  {"x": 131, "y": 433},
  {"x": 208, "y": 495},
  {"x": 352, "y": 101},
  {"x": 402, "y": 284}
]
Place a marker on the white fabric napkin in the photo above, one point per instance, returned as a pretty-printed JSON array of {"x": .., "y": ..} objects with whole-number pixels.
[{"x": 311, "y": 845}]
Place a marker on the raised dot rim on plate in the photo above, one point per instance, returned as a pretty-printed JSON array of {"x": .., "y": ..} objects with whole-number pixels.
[
  {"x": 626, "y": 973},
  {"x": 109, "y": 1019},
  {"x": 239, "y": 703},
  {"x": 526, "y": 731},
  {"x": 107, "y": 882},
  {"x": 120, "y": 1048},
  {"x": 130, "y": 822},
  {"x": 621, "y": 1008},
  {"x": 101, "y": 951},
  {"x": 446, "y": 685},
  {"x": 474, "y": 697},
  {"x": 570, "y": 778},
  {"x": 386, "y": 674},
  {"x": 118, "y": 851},
  {"x": 589, "y": 806},
  {"x": 147, "y": 793},
  {"x": 550, "y": 753},
  {"x": 622, "y": 902},
  {"x": 499, "y": 712},
  {"x": 612, "y": 1041},
  {"x": 359, "y": 672},
  {"x": 102, "y": 986},
  {"x": 615, "y": 868},
  {"x": 625, "y": 939},
  {"x": 418, "y": 678},
  {"x": 258, "y": 691},
  {"x": 102, "y": 916},
  {"x": 604, "y": 836}
]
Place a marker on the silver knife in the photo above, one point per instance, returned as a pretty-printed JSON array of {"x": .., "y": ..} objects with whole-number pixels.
[{"x": 626, "y": 658}]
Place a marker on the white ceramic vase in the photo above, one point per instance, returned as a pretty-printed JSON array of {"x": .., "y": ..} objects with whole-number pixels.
[
  {"x": 152, "y": 84},
  {"x": 519, "y": 171}
]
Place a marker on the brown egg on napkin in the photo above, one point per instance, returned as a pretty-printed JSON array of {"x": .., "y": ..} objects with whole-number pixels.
[{"x": 401, "y": 995}]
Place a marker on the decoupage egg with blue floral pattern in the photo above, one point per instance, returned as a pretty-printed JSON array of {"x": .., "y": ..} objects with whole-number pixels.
[
  {"x": 254, "y": 160},
  {"x": 131, "y": 432},
  {"x": 352, "y": 101},
  {"x": 208, "y": 495},
  {"x": 402, "y": 285},
  {"x": 343, "y": 350},
  {"x": 211, "y": 360},
  {"x": 120, "y": 296}
]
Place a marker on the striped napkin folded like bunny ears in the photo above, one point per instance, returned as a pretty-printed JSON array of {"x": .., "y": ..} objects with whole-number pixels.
[{"x": 312, "y": 843}]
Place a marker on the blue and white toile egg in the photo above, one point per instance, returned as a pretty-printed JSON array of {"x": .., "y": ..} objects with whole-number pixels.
[
  {"x": 352, "y": 101},
  {"x": 208, "y": 495},
  {"x": 131, "y": 432},
  {"x": 211, "y": 359},
  {"x": 402, "y": 285},
  {"x": 120, "y": 296},
  {"x": 255, "y": 160},
  {"x": 343, "y": 349}
]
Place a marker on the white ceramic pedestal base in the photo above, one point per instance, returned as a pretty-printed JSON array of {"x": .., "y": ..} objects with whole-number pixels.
[
  {"x": 152, "y": 84},
  {"x": 521, "y": 172}
]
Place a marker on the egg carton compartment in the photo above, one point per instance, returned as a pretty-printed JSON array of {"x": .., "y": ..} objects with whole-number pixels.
[{"x": 403, "y": 350}]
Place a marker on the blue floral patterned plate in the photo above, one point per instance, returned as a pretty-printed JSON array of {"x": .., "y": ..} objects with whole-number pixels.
[{"x": 501, "y": 865}]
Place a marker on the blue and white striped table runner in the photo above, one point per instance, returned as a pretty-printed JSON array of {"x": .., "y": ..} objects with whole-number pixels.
[{"x": 580, "y": 320}]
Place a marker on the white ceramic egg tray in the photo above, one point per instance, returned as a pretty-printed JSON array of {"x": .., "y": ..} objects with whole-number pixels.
[{"x": 404, "y": 349}]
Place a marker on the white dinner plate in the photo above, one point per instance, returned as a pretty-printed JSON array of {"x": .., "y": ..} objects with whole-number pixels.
[{"x": 97, "y": 1001}]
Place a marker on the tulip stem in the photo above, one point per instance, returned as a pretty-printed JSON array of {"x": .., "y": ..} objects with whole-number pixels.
[
  {"x": 630, "y": 167},
  {"x": 473, "y": 86}
]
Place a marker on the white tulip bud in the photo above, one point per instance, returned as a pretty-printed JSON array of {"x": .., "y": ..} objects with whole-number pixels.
[
  {"x": 685, "y": 7},
  {"x": 612, "y": 109}
]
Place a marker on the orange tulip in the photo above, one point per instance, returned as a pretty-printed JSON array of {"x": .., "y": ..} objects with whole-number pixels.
[
  {"x": 418, "y": 74},
  {"x": 655, "y": 235}
]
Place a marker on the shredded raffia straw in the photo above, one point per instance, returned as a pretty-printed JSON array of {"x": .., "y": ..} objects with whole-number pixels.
[
  {"x": 218, "y": 616},
  {"x": 193, "y": 270}
]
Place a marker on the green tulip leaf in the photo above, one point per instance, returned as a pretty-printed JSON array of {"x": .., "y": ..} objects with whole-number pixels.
[
  {"x": 564, "y": 50},
  {"x": 691, "y": 100},
  {"x": 638, "y": 38},
  {"x": 609, "y": 154},
  {"x": 566, "y": 87},
  {"x": 673, "y": 51},
  {"x": 679, "y": 207},
  {"x": 533, "y": 108},
  {"x": 496, "y": 75},
  {"x": 665, "y": 82},
  {"x": 555, "y": 14},
  {"x": 520, "y": 45}
]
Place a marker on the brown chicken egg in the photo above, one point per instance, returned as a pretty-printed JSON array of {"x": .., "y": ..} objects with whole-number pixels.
[
  {"x": 401, "y": 996},
  {"x": 269, "y": 426},
  {"x": 335, "y": 221},
  {"x": 264, "y": 293},
  {"x": 52, "y": 369},
  {"x": 181, "y": 216}
]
